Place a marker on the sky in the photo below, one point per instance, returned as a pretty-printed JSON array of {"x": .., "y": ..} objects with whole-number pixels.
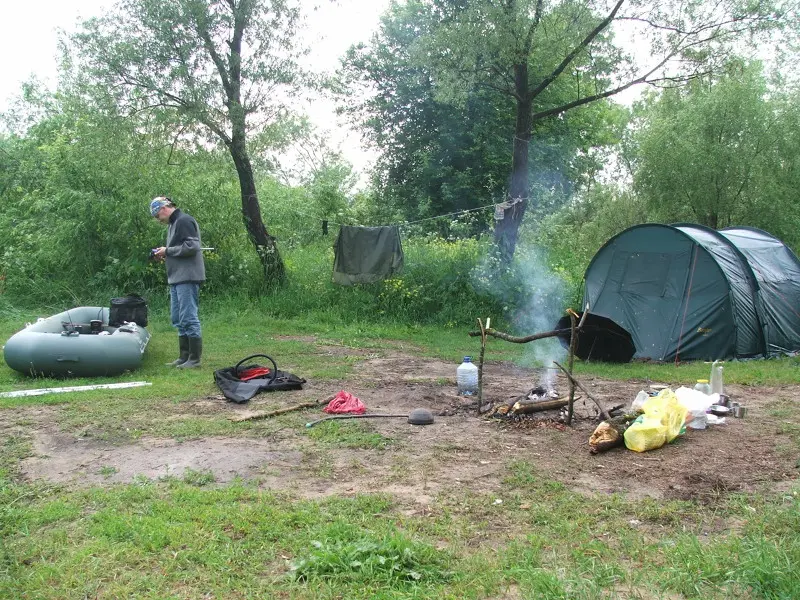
[{"x": 28, "y": 38}]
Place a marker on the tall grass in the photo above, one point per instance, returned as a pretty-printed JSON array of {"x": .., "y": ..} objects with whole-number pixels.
[
  {"x": 438, "y": 285},
  {"x": 444, "y": 283}
]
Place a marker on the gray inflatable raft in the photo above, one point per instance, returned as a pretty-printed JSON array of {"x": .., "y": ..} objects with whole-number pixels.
[{"x": 76, "y": 343}]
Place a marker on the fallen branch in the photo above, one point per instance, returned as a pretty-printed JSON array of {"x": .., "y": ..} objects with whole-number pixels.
[
  {"x": 280, "y": 411},
  {"x": 603, "y": 411}
]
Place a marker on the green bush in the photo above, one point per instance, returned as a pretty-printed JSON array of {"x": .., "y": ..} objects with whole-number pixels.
[
  {"x": 438, "y": 285},
  {"x": 75, "y": 230}
]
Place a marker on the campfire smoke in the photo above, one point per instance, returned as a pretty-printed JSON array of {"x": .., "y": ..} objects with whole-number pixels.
[
  {"x": 548, "y": 379},
  {"x": 535, "y": 310}
]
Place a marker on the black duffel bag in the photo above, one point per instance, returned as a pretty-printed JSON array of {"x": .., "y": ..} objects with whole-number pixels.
[
  {"x": 128, "y": 309},
  {"x": 239, "y": 385}
]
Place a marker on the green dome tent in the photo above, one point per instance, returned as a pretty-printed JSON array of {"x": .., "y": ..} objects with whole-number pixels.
[{"x": 688, "y": 292}]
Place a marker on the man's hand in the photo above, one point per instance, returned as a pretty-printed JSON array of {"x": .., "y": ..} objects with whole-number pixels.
[{"x": 159, "y": 253}]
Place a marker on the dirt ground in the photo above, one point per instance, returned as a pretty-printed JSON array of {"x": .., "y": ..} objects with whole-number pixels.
[{"x": 458, "y": 451}]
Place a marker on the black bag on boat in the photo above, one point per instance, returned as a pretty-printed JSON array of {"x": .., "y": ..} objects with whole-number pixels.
[
  {"x": 243, "y": 381},
  {"x": 128, "y": 309}
]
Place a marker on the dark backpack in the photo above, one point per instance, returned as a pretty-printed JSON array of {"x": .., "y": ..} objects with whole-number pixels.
[
  {"x": 236, "y": 389},
  {"x": 128, "y": 309}
]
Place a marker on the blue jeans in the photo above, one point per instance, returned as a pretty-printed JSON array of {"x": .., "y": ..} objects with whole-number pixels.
[{"x": 183, "y": 301}]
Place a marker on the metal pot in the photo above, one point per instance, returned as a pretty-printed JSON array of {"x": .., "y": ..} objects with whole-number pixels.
[{"x": 719, "y": 410}]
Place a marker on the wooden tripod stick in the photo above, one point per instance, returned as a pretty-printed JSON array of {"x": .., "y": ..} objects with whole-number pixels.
[
  {"x": 603, "y": 411},
  {"x": 480, "y": 361},
  {"x": 484, "y": 331}
]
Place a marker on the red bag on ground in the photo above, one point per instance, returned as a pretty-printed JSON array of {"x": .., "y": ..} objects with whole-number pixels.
[
  {"x": 345, "y": 402},
  {"x": 254, "y": 372}
]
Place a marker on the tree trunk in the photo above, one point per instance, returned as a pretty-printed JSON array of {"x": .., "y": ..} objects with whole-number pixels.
[
  {"x": 266, "y": 248},
  {"x": 506, "y": 230}
]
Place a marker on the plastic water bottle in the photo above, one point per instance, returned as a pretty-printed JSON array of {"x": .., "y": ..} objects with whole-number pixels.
[
  {"x": 716, "y": 378},
  {"x": 703, "y": 386},
  {"x": 467, "y": 378}
]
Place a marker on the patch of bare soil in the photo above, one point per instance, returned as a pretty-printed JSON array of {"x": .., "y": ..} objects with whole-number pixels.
[{"x": 459, "y": 451}]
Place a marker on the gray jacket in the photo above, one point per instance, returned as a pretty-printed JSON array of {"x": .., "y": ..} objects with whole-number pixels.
[{"x": 184, "y": 257}]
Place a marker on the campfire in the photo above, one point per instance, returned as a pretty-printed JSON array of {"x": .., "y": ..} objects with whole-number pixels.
[
  {"x": 541, "y": 397},
  {"x": 537, "y": 399},
  {"x": 540, "y": 393}
]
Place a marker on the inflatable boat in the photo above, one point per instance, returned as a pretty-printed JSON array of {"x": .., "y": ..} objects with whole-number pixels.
[{"x": 76, "y": 343}]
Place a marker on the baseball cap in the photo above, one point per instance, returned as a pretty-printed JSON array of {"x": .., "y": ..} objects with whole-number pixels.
[{"x": 158, "y": 203}]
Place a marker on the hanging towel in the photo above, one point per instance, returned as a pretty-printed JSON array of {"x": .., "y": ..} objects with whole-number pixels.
[{"x": 366, "y": 254}]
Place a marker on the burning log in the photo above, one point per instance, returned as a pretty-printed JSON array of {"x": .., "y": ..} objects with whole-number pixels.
[
  {"x": 526, "y": 407},
  {"x": 537, "y": 399}
]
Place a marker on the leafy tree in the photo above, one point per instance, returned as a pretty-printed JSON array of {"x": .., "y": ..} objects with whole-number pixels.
[
  {"x": 439, "y": 156},
  {"x": 71, "y": 219},
  {"x": 435, "y": 158},
  {"x": 326, "y": 175},
  {"x": 322, "y": 192},
  {"x": 525, "y": 49},
  {"x": 214, "y": 68},
  {"x": 779, "y": 178},
  {"x": 721, "y": 152}
]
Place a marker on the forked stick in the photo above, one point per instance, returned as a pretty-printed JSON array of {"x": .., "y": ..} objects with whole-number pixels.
[{"x": 603, "y": 411}]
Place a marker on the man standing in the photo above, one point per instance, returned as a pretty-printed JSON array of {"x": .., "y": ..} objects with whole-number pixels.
[{"x": 185, "y": 272}]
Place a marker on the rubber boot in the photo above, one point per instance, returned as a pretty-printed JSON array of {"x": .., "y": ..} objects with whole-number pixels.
[
  {"x": 195, "y": 352},
  {"x": 183, "y": 345}
]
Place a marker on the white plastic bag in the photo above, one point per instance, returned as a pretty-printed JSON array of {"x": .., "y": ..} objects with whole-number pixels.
[{"x": 696, "y": 403}]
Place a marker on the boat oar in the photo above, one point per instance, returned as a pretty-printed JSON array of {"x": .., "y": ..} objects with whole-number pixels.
[{"x": 418, "y": 416}]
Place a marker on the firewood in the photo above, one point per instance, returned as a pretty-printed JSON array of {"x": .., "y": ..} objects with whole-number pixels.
[
  {"x": 573, "y": 341},
  {"x": 280, "y": 411},
  {"x": 480, "y": 361},
  {"x": 526, "y": 406},
  {"x": 501, "y": 407}
]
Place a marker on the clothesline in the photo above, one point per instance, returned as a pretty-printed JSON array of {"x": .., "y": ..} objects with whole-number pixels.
[
  {"x": 402, "y": 223},
  {"x": 458, "y": 212}
]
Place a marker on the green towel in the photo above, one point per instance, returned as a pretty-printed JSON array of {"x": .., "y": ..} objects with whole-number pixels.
[{"x": 366, "y": 254}]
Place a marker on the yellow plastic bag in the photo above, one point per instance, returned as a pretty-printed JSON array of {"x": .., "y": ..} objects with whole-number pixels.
[
  {"x": 666, "y": 407},
  {"x": 660, "y": 424},
  {"x": 645, "y": 433}
]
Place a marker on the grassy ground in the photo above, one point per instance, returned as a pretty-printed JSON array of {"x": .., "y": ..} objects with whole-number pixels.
[{"x": 193, "y": 538}]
